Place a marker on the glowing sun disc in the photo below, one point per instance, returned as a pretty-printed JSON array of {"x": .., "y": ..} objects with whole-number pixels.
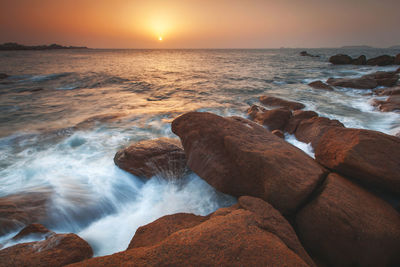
[{"x": 159, "y": 38}]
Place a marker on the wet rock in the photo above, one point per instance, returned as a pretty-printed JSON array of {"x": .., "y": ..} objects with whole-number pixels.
[
  {"x": 3, "y": 76},
  {"x": 306, "y": 54},
  {"x": 253, "y": 235},
  {"x": 397, "y": 59},
  {"x": 320, "y": 85},
  {"x": 155, "y": 232},
  {"x": 56, "y": 250},
  {"x": 361, "y": 60},
  {"x": 340, "y": 59},
  {"x": 347, "y": 226},
  {"x": 34, "y": 229},
  {"x": 371, "y": 157},
  {"x": 240, "y": 157},
  {"x": 19, "y": 210},
  {"x": 384, "y": 78},
  {"x": 92, "y": 121},
  {"x": 297, "y": 117},
  {"x": 163, "y": 156},
  {"x": 275, "y": 119},
  {"x": 279, "y": 102},
  {"x": 311, "y": 130},
  {"x": 389, "y": 105},
  {"x": 357, "y": 83},
  {"x": 278, "y": 133},
  {"x": 254, "y": 110},
  {"x": 388, "y": 91},
  {"x": 384, "y": 60}
]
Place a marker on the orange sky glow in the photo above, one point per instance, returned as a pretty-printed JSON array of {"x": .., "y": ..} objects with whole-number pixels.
[{"x": 201, "y": 24}]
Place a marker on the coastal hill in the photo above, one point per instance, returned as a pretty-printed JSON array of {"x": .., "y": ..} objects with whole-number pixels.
[{"x": 16, "y": 46}]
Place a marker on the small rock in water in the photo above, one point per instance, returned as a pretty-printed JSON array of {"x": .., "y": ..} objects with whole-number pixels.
[
  {"x": 384, "y": 60},
  {"x": 340, "y": 59},
  {"x": 279, "y": 102},
  {"x": 320, "y": 85},
  {"x": 3, "y": 76}
]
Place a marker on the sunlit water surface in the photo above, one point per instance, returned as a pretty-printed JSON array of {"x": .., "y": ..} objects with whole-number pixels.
[{"x": 49, "y": 138}]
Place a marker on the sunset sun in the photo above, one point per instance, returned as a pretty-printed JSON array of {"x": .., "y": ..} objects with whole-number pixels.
[{"x": 160, "y": 38}]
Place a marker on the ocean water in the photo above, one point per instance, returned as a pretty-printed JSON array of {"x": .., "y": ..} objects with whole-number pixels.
[{"x": 64, "y": 114}]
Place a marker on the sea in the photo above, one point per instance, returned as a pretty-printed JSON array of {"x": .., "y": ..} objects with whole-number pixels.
[{"x": 65, "y": 113}]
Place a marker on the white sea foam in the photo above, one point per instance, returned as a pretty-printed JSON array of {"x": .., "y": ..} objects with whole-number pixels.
[{"x": 307, "y": 148}]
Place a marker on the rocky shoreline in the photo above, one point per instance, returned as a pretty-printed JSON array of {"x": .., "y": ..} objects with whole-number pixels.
[{"x": 341, "y": 208}]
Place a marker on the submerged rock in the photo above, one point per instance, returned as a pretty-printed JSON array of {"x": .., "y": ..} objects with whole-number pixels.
[
  {"x": 147, "y": 158},
  {"x": 340, "y": 59},
  {"x": 311, "y": 130},
  {"x": 391, "y": 104},
  {"x": 34, "y": 229},
  {"x": 371, "y": 157},
  {"x": 19, "y": 210},
  {"x": 306, "y": 54},
  {"x": 55, "y": 250},
  {"x": 381, "y": 61},
  {"x": 347, "y": 226},
  {"x": 320, "y": 85},
  {"x": 252, "y": 233},
  {"x": 240, "y": 157},
  {"x": 279, "y": 102}
]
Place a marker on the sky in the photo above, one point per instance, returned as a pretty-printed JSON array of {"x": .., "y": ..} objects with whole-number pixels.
[{"x": 201, "y": 23}]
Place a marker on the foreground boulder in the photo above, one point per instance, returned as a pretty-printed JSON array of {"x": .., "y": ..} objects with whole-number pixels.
[
  {"x": 19, "y": 210},
  {"x": 55, "y": 250},
  {"x": 275, "y": 119},
  {"x": 311, "y": 130},
  {"x": 371, "y": 157},
  {"x": 384, "y": 60},
  {"x": 163, "y": 156},
  {"x": 348, "y": 226},
  {"x": 320, "y": 85},
  {"x": 340, "y": 59},
  {"x": 239, "y": 157},
  {"x": 297, "y": 117},
  {"x": 388, "y": 105},
  {"x": 252, "y": 233},
  {"x": 279, "y": 102}
]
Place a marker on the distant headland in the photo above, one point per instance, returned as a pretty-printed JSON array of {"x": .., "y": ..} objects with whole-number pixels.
[{"x": 16, "y": 46}]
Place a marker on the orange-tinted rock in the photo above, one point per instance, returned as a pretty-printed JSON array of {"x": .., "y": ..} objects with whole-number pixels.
[
  {"x": 32, "y": 229},
  {"x": 160, "y": 229},
  {"x": 320, "y": 85},
  {"x": 381, "y": 61},
  {"x": 275, "y": 119},
  {"x": 56, "y": 250},
  {"x": 391, "y": 104},
  {"x": 357, "y": 83},
  {"x": 238, "y": 237},
  {"x": 240, "y": 157},
  {"x": 19, "y": 210},
  {"x": 147, "y": 158},
  {"x": 278, "y": 133},
  {"x": 311, "y": 130},
  {"x": 297, "y": 117},
  {"x": 279, "y": 102},
  {"x": 347, "y": 226},
  {"x": 254, "y": 110},
  {"x": 370, "y": 157},
  {"x": 340, "y": 59}
]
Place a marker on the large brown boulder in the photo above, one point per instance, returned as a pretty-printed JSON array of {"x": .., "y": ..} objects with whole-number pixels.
[
  {"x": 297, "y": 117},
  {"x": 311, "y": 130},
  {"x": 240, "y": 157},
  {"x": 147, "y": 158},
  {"x": 381, "y": 61},
  {"x": 275, "y": 119},
  {"x": 371, "y": 157},
  {"x": 357, "y": 83},
  {"x": 55, "y": 250},
  {"x": 397, "y": 59},
  {"x": 254, "y": 111},
  {"x": 19, "y": 210},
  {"x": 340, "y": 59},
  {"x": 320, "y": 85},
  {"x": 279, "y": 102},
  {"x": 347, "y": 226},
  {"x": 388, "y": 105},
  {"x": 251, "y": 234}
]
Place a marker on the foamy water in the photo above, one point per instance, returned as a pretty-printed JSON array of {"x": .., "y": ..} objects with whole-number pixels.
[{"x": 49, "y": 138}]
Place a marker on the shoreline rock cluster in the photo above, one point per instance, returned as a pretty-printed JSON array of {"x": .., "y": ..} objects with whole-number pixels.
[
  {"x": 384, "y": 60},
  {"x": 340, "y": 209}
]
